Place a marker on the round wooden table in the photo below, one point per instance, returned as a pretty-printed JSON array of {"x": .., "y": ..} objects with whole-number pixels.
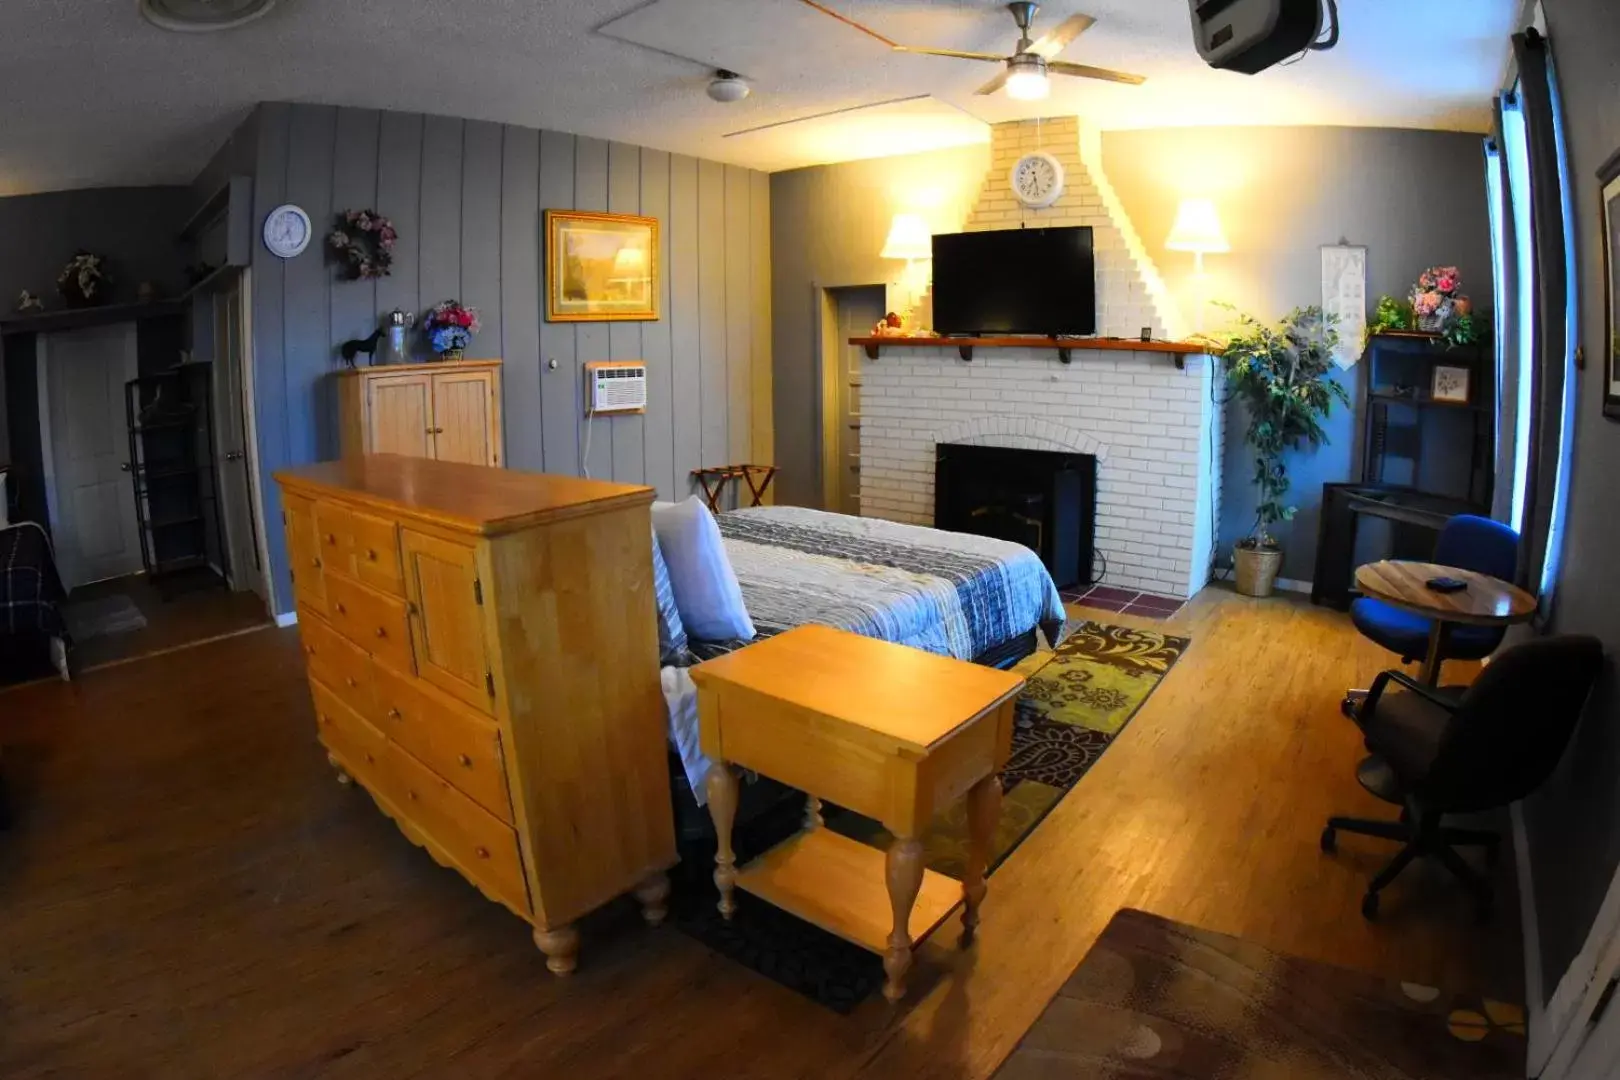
[{"x": 1487, "y": 601}]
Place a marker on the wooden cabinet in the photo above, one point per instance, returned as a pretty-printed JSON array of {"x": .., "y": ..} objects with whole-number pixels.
[
  {"x": 483, "y": 660},
  {"x": 447, "y": 411}
]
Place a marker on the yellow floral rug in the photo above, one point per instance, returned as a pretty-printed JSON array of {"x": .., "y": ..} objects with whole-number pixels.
[{"x": 1075, "y": 704}]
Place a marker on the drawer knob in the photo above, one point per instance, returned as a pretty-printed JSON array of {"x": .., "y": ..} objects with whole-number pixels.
[
  {"x": 382, "y": 632},
  {"x": 483, "y": 852},
  {"x": 310, "y": 649},
  {"x": 393, "y": 714},
  {"x": 351, "y": 681},
  {"x": 371, "y": 553},
  {"x": 331, "y": 539},
  {"x": 466, "y": 762},
  {"x": 411, "y": 795},
  {"x": 316, "y": 563},
  {"x": 325, "y": 719},
  {"x": 370, "y": 760},
  {"x": 341, "y": 610}
]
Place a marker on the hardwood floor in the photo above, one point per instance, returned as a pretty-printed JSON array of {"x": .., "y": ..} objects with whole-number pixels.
[
  {"x": 171, "y": 621},
  {"x": 186, "y": 891}
]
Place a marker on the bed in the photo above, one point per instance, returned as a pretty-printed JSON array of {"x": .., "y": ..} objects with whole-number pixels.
[
  {"x": 970, "y": 597},
  {"x": 33, "y": 635}
]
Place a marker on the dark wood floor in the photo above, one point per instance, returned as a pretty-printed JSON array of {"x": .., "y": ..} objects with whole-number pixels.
[
  {"x": 172, "y": 621},
  {"x": 187, "y": 893}
]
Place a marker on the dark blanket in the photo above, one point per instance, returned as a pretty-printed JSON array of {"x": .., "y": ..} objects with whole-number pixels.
[{"x": 31, "y": 593}]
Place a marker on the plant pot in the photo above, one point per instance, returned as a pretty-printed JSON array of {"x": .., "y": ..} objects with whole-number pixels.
[
  {"x": 452, "y": 355},
  {"x": 1257, "y": 570}
]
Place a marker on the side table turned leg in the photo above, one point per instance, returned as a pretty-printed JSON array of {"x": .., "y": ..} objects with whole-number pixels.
[
  {"x": 983, "y": 811},
  {"x": 721, "y": 787},
  {"x": 561, "y": 946},
  {"x": 812, "y": 812},
  {"x": 903, "y": 870},
  {"x": 654, "y": 896}
]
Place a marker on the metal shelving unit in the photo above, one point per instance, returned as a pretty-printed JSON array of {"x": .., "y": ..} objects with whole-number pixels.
[{"x": 171, "y": 454}]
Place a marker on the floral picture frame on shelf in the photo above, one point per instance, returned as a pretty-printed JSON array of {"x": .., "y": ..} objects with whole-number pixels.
[
  {"x": 1449, "y": 384},
  {"x": 1609, "y": 178},
  {"x": 601, "y": 267}
]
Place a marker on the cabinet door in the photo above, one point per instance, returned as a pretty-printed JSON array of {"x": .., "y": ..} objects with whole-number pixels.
[
  {"x": 465, "y": 427},
  {"x": 303, "y": 551},
  {"x": 400, "y": 415},
  {"x": 447, "y": 623}
]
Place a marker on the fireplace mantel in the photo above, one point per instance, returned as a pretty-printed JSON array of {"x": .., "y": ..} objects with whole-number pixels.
[{"x": 1064, "y": 347}]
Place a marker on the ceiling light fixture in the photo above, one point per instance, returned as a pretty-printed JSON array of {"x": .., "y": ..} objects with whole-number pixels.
[
  {"x": 1026, "y": 77},
  {"x": 728, "y": 86},
  {"x": 201, "y": 16}
]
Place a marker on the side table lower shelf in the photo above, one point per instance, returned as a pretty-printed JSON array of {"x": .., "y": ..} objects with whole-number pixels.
[{"x": 838, "y": 884}]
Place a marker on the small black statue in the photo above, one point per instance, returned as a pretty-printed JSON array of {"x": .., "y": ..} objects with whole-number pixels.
[{"x": 356, "y": 346}]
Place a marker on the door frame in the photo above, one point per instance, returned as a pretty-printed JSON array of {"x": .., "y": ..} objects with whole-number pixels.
[
  {"x": 61, "y": 542},
  {"x": 1560, "y": 1030},
  {"x": 824, "y": 310},
  {"x": 250, "y": 441}
]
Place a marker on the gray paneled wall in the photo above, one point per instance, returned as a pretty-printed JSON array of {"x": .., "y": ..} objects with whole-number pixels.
[{"x": 468, "y": 199}]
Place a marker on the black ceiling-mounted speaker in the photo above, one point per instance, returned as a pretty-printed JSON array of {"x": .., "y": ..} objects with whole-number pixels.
[{"x": 1251, "y": 35}]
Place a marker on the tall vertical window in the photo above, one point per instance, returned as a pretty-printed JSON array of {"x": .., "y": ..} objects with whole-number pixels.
[
  {"x": 1564, "y": 437},
  {"x": 1516, "y": 354}
]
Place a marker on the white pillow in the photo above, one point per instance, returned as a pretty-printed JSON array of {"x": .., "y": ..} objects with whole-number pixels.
[{"x": 706, "y": 590}]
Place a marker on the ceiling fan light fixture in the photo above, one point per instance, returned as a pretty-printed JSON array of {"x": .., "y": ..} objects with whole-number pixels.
[
  {"x": 727, "y": 87},
  {"x": 1026, "y": 78},
  {"x": 200, "y": 16}
]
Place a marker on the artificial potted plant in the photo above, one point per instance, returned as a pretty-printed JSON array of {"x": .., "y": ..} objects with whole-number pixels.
[{"x": 1281, "y": 375}]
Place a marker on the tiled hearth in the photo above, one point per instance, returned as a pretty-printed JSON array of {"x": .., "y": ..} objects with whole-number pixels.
[{"x": 1124, "y": 601}]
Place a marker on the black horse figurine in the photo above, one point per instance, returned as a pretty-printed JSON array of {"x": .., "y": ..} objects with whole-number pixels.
[{"x": 356, "y": 346}]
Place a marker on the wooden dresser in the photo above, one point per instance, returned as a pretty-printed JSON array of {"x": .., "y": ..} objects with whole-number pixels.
[
  {"x": 447, "y": 411},
  {"x": 483, "y": 655}
]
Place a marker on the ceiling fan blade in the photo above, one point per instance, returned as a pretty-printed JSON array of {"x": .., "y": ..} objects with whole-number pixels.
[
  {"x": 951, "y": 52},
  {"x": 996, "y": 83},
  {"x": 1086, "y": 71},
  {"x": 1058, "y": 38}
]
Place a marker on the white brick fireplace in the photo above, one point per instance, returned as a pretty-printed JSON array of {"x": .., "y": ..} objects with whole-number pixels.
[{"x": 1153, "y": 428}]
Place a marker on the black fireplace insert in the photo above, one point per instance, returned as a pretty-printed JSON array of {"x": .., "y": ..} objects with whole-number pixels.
[{"x": 1043, "y": 499}]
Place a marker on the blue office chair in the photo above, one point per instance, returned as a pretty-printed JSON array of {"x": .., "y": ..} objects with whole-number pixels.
[{"x": 1468, "y": 542}]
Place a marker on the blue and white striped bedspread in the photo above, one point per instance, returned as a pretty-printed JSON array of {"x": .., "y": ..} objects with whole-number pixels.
[{"x": 943, "y": 592}]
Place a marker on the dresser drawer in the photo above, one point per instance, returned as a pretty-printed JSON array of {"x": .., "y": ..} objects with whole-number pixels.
[
  {"x": 446, "y": 736},
  {"x": 345, "y": 669},
  {"x": 372, "y": 620},
  {"x": 374, "y": 549},
  {"x": 361, "y": 748},
  {"x": 332, "y": 531},
  {"x": 483, "y": 848}
]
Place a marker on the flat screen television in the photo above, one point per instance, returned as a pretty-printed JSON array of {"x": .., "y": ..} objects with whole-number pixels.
[{"x": 1015, "y": 281}]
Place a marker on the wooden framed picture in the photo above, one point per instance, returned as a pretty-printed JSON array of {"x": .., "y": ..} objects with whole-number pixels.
[
  {"x": 1450, "y": 384},
  {"x": 601, "y": 267},
  {"x": 1609, "y": 177}
]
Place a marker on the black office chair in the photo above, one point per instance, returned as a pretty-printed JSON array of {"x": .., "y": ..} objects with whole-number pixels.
[{"x": 1456, "y": 750}]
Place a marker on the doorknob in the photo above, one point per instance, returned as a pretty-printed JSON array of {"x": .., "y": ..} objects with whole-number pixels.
[
  {"x": 234, "y": 455},
  {"x": 123, "y": 466}
]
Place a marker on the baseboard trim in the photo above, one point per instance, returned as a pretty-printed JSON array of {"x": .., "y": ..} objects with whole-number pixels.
[
  {"x": 286, "y": 619},
  {"x": 1295, "y": 585},
  {"x": 1530, "y": 931}
]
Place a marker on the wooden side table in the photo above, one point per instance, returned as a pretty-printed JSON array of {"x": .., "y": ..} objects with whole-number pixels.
[
  {"x": 713, "y": 481},
  {"x": 1487, "y": 601},
  {"x": 890, "y": 732}
]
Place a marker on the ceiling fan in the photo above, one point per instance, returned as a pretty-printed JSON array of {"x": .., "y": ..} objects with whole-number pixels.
[{"x": 1026, "y": 70}]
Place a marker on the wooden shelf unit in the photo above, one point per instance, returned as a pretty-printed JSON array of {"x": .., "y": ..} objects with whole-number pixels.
[{"x": 964, "y": 346}]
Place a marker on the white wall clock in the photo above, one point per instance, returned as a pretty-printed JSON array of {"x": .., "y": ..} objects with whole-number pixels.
[
  {"x": 287, "y": 231},
  {"x": 1037, "y": 179}
]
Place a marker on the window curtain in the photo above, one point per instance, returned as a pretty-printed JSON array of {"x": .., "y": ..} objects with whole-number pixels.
[
  {"x": 1554, "y": 333},
  {"x": 1506, "y": 323}
]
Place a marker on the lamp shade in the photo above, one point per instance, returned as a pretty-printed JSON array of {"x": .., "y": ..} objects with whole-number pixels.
[
  {"x": 909, "y": 238},
  {"x": 1197, "y": 228}
]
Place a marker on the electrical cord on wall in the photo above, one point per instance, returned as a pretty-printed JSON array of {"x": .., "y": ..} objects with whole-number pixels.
[{"x": 585, "y": 457}]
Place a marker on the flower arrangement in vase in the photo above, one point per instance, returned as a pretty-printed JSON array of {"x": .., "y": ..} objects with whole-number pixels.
[
  {"x": 450, "y": 326},
  {"x": 83, "y": 282},
  {"x": 1436, "y": 298}
]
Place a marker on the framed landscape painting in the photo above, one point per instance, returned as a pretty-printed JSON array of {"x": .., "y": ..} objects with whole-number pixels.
[
  {"x": 1609, "y": 177},
  {"x": 601, "y": 267}
]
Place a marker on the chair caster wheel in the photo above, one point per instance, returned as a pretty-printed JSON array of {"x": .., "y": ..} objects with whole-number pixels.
[
  {"x": 1330, "y": 840},
  {"x": 1348, "y": 707},
  {"x": 1369, "y": 907}
]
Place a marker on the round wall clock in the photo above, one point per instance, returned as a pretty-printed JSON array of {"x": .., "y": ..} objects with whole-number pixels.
[
  {"x": 1037, "y": 179},
  {"x": 287, "y": 231}
]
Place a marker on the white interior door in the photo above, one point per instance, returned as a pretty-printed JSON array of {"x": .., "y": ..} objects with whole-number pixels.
[
  {"x": 858, "y": 310},
  {"x": 1584, "y": 1013},
  {"x": 233, "y": 455},
  {"x": 91, "y": 493}
]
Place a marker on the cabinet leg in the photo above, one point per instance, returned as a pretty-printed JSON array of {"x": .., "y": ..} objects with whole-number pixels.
[
  {"x": 654, "y": 896},
  {"x": 984, "y": 810},
  {"x": 343, "y": 776},
  {"x": 812, "y": 812},
  {"x": 721, "y": 787},
  {"x": 561, "y": 946},
  {"x": 903, "y": 870}
]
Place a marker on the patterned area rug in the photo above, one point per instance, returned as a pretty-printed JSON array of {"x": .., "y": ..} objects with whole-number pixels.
[
  {"x": 1077, "y": 701},
  {"x": 1157, "y": 998}
]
